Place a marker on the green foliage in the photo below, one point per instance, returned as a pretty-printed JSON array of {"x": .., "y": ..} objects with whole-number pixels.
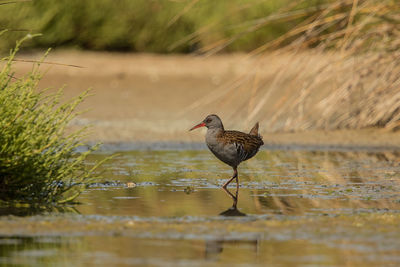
[
  {"x": 165, "y": 26},
  {"x": 142, "y": 25},
  {"x": 38, "y": 160}
]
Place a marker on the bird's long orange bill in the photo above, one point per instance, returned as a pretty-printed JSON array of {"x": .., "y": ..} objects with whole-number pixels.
[{"x": 198, "y": 126}]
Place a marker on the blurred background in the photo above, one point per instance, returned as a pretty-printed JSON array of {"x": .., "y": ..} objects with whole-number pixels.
[{"x": 304, "y": 69}]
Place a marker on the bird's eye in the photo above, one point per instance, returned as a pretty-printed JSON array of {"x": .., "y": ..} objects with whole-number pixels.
[{"x": 208, "y": 120}]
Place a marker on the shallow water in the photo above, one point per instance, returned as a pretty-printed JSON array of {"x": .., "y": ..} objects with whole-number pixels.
[{"x": 166, "y": 208}]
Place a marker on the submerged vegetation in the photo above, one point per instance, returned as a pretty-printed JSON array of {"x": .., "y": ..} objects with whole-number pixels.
[{"x": 38, "y": 160}]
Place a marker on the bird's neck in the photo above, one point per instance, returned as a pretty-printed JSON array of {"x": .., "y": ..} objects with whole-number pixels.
[
  {"x": 216, "y": 130},
  {"x": 213, "y": 134}
]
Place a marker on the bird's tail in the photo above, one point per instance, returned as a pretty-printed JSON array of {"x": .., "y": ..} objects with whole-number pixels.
[{"x": 254, "y": 130}]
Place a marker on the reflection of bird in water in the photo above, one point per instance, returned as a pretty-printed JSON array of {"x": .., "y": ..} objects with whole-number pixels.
[
  {"x": 231, "y": 147},
  {"x": 215, "y": 247},
  {"x": 232, "y": 211}
]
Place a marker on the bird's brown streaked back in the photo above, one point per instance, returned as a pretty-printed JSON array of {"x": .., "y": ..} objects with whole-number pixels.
[
  {"x": 249, "y": 144},
  {"x": 248, "y": 141}
]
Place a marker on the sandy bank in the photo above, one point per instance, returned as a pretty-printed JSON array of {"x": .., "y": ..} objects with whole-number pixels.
[{"x": 146, "y": 97}]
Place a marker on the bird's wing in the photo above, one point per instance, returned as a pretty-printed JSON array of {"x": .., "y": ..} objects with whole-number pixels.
[{"x": 246, "y": 145}]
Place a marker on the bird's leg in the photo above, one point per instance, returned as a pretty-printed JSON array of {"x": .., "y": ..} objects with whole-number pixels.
[
  {"x": 235, "y": 174},
  {"x": 237, "y": 183},
  {"x": 234, "y": 197}
]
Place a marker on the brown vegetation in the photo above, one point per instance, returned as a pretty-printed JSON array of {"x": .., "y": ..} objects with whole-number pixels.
[
  {"x": 348, "y": 77},
  {"x": 337, "y": 70}
]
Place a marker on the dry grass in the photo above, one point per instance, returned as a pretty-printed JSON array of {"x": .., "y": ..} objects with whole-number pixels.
[{"x": 340, "y": 70}]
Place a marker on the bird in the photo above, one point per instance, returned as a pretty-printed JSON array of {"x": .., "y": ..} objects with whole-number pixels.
[{"x": 231, "y": 147}]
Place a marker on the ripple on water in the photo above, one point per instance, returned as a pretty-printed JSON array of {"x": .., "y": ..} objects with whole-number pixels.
[{"x": 319, "y": 203}]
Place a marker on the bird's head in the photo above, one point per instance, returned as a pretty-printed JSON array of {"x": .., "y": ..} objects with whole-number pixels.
[{"x": 211, "y": 122}]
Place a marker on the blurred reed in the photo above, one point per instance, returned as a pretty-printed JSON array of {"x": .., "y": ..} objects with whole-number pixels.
[
  {"x": 337, "y": 68},
  {"x": 141, "y": 26}
]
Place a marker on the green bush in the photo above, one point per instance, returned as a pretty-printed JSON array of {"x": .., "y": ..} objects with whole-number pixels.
[
  {"x": 160, "y": 26},
  {"x": 38, "y": 160}
]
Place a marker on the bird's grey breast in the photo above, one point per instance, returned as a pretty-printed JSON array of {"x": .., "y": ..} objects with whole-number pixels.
[{"x": 225, "y": 152}]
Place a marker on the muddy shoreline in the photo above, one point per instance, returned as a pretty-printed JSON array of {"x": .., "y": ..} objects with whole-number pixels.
[
  {"x": 145, "y": 98},
  {"x": 111, "y": 147}
]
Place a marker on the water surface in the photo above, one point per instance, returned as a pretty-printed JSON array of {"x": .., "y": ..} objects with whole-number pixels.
[{"x": 166, "y": 208}]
